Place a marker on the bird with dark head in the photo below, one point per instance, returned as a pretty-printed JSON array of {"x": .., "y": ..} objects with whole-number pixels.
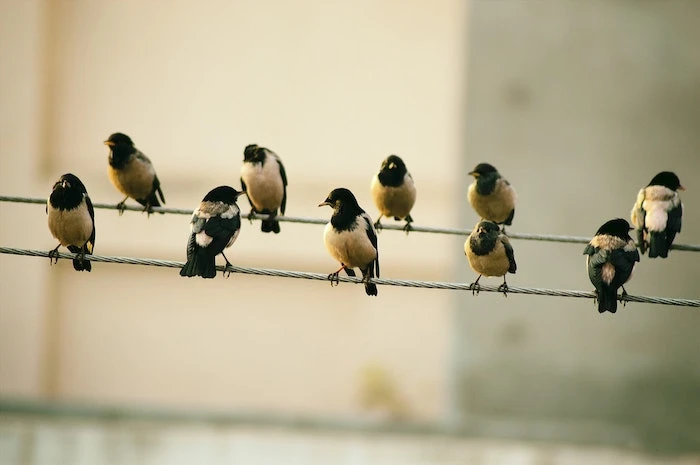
[
  {"x": 215, "y": 225},
  {"x": 657, "y": 214},
  {"x": 610, "y": 258},
  {"x": 264, "y": 182},
  {"x": 491, "y": 195},
  {"x": 393, "y": 192},
  {"x": 132, "y": 173},
  {"x": 71, "y": 220},
  {"x": 350, "y": 238},
  {"x": 490, "y": 254}
]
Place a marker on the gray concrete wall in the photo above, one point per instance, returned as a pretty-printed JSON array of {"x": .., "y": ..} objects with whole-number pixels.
[{"x": 579, "y": 104}]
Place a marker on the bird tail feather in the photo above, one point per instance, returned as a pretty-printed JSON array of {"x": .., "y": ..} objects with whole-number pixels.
[
  {"x": 370, "y": 289},
  {"x": 80, "y": 264},
  {"x": 657, "y": 244},
  {"x": 270, "y": 226},
  {"x": 607, "y": 300},
  {"x": 199, "y": 264}
]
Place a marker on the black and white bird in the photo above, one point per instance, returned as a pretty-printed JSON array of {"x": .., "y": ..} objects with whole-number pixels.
[
  {"x": 264, "y": 182},
  {"x": 611, "y": 256},
  {"x": 72, "y": 220},
  {"x": 215, "y": 226},
  {"x": 491, "y": 195},
  {"x": 132, "y": 173},
  {"x": 351, "y": 239},
  {"x": 394, "y": 192},
  {"x": 657, "y": 214},
  {"x": 490, "y": 254}
]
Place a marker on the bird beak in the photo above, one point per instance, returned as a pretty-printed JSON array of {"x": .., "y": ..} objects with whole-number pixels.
[
  {"x": 109, "y": 143},
  {"x": 474, "y": 173},
  {"x": 324, "y": 203},
  {"x": 681, "y": 188},
  {"x": 392, "y": 165},
  {"x": 64, "y": 183}
]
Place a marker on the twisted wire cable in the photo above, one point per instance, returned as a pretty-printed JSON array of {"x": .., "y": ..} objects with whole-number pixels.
[
  {"x": 380, "y": 281},
  {"x": 394, "y": 227}
]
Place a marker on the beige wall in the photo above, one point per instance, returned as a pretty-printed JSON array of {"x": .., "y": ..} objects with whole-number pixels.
[{"x": 333, "y": 88}]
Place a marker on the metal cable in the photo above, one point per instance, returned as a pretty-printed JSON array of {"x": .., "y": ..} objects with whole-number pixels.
[
  {"x": 347, "y": 279},
  {"x": 394, "y": 227}
]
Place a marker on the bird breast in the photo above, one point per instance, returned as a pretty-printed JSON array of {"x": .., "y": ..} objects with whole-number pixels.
[
  {"x": 495, "y": 206},
  {"x": 350, "y": 247},
  {"x": 494, "y": 263},
  {"x": 71, "y": 227},
  {"x": 394, "y": 201},
  {"x": 135, "y": 179},
  {"x": 264, "y": 185}
]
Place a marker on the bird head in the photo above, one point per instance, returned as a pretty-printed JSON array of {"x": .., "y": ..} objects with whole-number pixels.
[
  {"x": 667, "y": 179},
  {"x": 69, "y": 181},
  {"x": 393, "y": 163},
  {"x": 251, "y": 153},
  {"x": 482, "y": 169},
  {"x": 485, "y": 228},
  {"x": 118, "y": 140},
  {"x": 340, "y": 197},
  {"x": 225, "y": 194},
  {"x": 617, "y": 227}
]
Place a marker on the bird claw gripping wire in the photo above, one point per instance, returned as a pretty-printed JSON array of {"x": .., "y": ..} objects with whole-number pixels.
[
  {"x": 121, "y": 206},
  {"x": 333, "y": 278},
  {"x": 475, "y": 287},
  {"x": 227, "y": 272},
  {"x": 378, "y": 225},
  {"x": 53, "y": 255},
  {"x": 407, "y": 227},
  {"x": 503, "y": 288},
  {"x": 251, "y": 216},
  {"x": 623, "y": 297}
]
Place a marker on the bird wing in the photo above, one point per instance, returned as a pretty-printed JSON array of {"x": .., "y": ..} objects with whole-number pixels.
[
  {"x": 283, "y": 207},
  {"x": 372, "y": 235},
  {"x": 91, "y": 211},
  {"x": 509, "y": 253},
  {"x": 142, "y": 156},
  {"x": 156, "y": 188},
  {"x": 638, "y": 213},
  {"x": 595, "y": 260},
  {"x": 221, "y": 230},
  {"x": 675, "y": 216},
  {"x": 623, "y": 261}
]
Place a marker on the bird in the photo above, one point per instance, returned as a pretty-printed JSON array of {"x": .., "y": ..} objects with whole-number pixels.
[
  {"x": 657, "y": 214},
  {"x": 132, "y": 173},
  {"x": 491, "y": 195},
  {"x": 215, "y": 225},
  {"x": 611, "y": 257},
  {"x": 490, "y": 254},
  {"x": 394, "y": 192},
  {"x": 71, "y": 220},
  {"x": 264, "y": 182},
  {"x": 351, "y": 239}
]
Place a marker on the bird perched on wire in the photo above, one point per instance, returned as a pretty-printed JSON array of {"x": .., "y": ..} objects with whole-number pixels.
[
  {"x": 264, "y": 182},
  {"x": 132, "y": 173},
  {"x": 72, "y": 220},
  {"x": 350, "y": 238},
  {"x": 393, "y": 192},
  {"x": 611, "y": 256},
  {"x": 657, "y": 214},
  {"x": 215, "y": 226},
  {"x": 491, "y": 195},
  {"x": 490, "y": 254}
]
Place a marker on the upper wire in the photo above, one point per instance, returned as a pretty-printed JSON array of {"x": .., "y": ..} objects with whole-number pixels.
[{"x": 296, "y": 219}]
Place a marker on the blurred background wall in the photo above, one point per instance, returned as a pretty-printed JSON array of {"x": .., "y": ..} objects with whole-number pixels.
[{"x": 578, "y": 104}]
